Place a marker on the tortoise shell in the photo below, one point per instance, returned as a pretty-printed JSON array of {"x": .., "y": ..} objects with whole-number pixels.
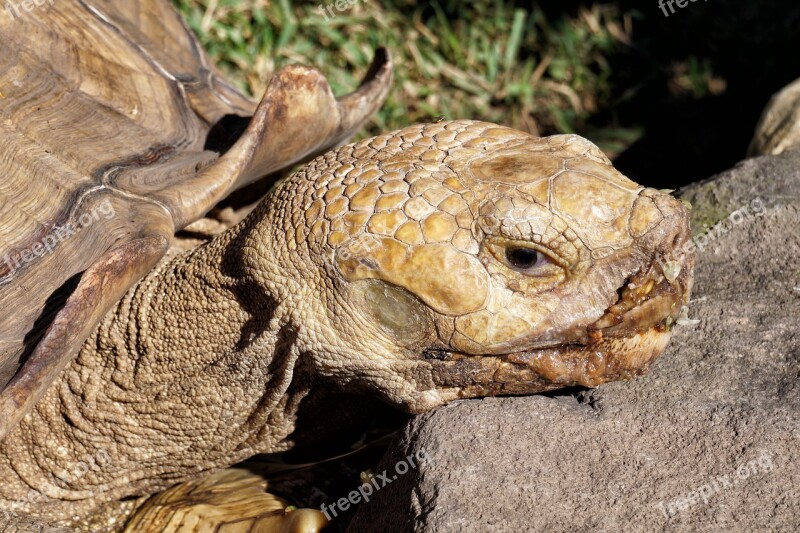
[
  {"x": 116, "y": 132},
  {"x": 778, "y": 128}
]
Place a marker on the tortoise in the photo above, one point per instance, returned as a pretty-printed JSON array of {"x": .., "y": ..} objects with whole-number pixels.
[
  {"x": 448, "y": 260},
  {"x": 778, "y": 129}
]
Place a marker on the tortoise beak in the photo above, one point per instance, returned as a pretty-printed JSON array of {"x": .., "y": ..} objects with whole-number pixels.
[{"x": 654, "y": 296}]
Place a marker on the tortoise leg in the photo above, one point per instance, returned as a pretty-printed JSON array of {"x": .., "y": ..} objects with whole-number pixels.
[{"x": 229, "y": 501}]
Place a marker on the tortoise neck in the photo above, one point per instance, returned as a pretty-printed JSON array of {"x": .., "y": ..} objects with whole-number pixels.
[{"x": 194, "y": 369}]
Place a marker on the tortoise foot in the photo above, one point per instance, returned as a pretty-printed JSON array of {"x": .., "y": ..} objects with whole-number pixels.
[{"x": 230, "y": 501}]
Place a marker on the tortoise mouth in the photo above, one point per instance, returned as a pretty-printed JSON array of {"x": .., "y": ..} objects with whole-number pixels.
[
  {"x": 651, "y": 299},
  {"x": 648, "y": 301},
  {"x": 620, "y": 345},
  {"x": 544, "y": 369}
]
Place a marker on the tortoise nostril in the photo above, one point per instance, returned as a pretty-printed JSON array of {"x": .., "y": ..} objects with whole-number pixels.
[
  {"x": 675, "y": 238},
  {"x": 683, "y": 232}
]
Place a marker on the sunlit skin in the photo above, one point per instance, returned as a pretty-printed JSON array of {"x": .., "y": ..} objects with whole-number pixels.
[{"x": 448, "y": 260}]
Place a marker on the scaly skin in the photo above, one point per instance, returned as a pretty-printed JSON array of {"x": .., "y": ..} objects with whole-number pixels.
[{"x": 382, "y": 269}]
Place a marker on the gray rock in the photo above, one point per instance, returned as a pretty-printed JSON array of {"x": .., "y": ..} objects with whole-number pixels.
[{"x": 707, "y": 441}]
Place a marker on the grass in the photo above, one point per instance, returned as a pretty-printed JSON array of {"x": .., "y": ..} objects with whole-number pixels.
[{"x": 487, "y": 60}]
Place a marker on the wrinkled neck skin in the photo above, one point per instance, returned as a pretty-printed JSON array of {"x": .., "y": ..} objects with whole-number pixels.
[{"x": 195, "y": 369}]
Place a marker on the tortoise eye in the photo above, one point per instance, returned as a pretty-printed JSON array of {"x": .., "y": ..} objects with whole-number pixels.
[
  {"x": 532, "y": 261},
  {"x": 523, "y": 258}
]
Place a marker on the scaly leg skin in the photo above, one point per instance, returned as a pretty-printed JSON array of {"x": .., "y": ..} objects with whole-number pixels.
[{"x": 193, "y": 371}]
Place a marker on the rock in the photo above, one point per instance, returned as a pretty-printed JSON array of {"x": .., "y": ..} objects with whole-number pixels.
[
  {"x": 774, "y": 180},
  {"x": 707, "y": 441}
]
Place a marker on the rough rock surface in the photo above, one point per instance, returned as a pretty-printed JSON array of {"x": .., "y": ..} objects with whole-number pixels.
[{"x": 707, "y": 441}]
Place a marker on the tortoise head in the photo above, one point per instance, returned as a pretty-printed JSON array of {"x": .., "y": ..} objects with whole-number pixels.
[{"x": 463, "y": 259}]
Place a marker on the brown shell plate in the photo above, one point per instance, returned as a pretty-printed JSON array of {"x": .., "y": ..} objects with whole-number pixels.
[{"x": 112, "y": 137}]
